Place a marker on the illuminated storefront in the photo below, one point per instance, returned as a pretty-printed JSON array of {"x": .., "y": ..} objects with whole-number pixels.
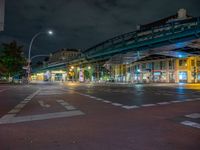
[{"x": 168, "y": 70}]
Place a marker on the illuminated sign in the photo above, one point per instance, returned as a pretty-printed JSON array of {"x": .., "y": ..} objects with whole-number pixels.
[{"x": 81, "y": 76}]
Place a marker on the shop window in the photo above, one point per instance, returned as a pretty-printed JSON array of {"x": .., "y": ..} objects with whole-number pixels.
[{"x": 182, "y": 76}]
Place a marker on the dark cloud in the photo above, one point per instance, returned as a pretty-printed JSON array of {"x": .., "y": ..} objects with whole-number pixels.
[{"x": 82, "y": 23}]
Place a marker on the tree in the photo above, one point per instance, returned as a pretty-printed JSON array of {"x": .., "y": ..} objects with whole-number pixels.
[
  {"x": 11, "y": 59},
  {"x": 86, "y": 74}
]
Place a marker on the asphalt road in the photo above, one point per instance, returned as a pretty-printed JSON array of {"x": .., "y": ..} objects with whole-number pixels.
[{"x": 83, "y": 116}]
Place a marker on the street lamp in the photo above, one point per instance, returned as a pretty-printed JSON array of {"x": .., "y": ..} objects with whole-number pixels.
[{"x": 49, "y": 32}]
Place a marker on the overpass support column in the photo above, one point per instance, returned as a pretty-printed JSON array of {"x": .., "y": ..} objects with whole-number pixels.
[
  {"x": 176, "y": 71},
  {"x": 167, "y": 71},
  {"x": 189, "y": 70}
]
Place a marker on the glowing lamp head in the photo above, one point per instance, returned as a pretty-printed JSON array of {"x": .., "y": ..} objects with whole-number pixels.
[{"x": 50, "y": 32}]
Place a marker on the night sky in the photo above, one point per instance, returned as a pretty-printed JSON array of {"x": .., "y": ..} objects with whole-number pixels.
[{"x": 82, "y": 23}]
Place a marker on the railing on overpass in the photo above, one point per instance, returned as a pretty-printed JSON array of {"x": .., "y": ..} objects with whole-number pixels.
[{"x": 145, "y": 39}]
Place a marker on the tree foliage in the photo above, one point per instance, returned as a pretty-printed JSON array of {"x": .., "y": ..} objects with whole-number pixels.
[{"x": 11, "y": 59}]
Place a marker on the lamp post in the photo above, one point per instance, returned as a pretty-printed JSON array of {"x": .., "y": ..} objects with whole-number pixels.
[{"x": 30, "y": 46}]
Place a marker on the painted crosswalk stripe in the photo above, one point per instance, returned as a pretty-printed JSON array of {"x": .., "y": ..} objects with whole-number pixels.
[
  {"x": 14, "y": 111},
  {"x": 27, "y": 99},
  {"x": 191, "y": 124},
  {"x": 20, "y": 106},
  {"x": 8, "y": 116},
  {"x": 24, "y": 102},
  {"x": 193, "y": 116}
]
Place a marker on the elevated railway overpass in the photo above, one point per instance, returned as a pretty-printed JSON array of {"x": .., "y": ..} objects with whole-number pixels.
[{"x": 175, "y": 38}]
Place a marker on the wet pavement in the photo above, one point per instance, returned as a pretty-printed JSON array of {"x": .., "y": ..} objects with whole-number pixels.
[
  {"x": 140, "y": 94},
  {"x": 84, "y": 116}
]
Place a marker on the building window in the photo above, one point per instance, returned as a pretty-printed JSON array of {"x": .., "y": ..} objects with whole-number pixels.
[
  {"x": 163, "y": 65},
  {"x": 171, "y": 64},
  {"x": 192, "y": 63},
  {"x": 198, "y": 63},
  {"x": 182, "y": 62},
  {"x": 143, "y": 66},
  {"x": 157, "y": 65},
  {"x": 149, "y": 66}
]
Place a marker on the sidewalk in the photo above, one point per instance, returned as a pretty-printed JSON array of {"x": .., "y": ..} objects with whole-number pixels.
[{"x": 120, "y": 84}]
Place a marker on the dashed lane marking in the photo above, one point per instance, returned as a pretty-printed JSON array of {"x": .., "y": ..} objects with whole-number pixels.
[
  {"x": 116, "y": 104},
  {"x": 191, "y": 124},
  {"x": 105, "y": 101},
  {"x": 148, "y": 105},
  {"x": 130, "y": 107},
  {"x": 99, "y": 99},
  {"x": 163, "y": 103},
  {"x": 50, "y": 93},
  {"x": 177, "y": 101},
  {"x": 193, "y": 116},
  {"x": 135, "y": 106}
]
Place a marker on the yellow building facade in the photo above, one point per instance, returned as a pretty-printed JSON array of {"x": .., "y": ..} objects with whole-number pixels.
[{"x": 168, "y": 70}]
